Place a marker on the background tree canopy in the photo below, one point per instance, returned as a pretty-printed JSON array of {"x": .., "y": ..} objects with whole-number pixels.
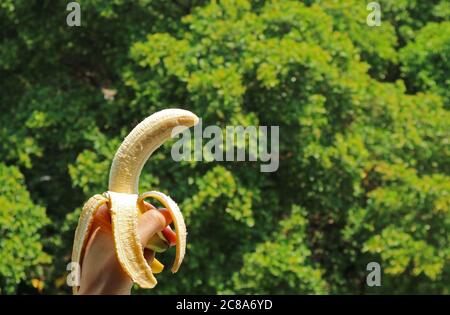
[{"x": 364, "y": 138}]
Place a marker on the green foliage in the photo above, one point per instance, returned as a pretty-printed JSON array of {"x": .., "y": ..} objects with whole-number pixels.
[
  {"x": 364, "y": 131},
  {"x": 282, "y": 265},
  {"x": 376, "y": 44},
  {"x": 21, "y": 223},
  {"x": 426, "y": 60},
  {"x": 409, "y": 16}
]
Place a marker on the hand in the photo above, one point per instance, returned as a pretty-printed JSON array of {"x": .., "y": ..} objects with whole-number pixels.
[{"x": 101, "y": 272}]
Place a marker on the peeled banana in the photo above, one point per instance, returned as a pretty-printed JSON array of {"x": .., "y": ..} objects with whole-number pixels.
[{"x": 126, "y": 205}]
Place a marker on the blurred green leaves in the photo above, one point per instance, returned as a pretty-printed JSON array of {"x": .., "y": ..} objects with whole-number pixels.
[
  {"x": 364, "y": 138},
  {"x": 21, "y": 223}
]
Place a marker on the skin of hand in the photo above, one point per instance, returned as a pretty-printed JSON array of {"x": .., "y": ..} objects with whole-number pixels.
[{"x": 101, "y": 271}]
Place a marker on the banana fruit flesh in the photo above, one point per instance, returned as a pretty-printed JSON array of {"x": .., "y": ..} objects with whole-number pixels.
[{"x": 126, "y": 205}]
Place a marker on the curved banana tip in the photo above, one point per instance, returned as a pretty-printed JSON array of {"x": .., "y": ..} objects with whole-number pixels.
[
  {"x": 141, "y": 142},
  {"x": 186, "y": 118}
]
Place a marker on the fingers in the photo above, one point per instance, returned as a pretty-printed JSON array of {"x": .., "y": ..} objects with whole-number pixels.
[
  {"x": 166, "y": 215},
  {"x": 149, "y": 255},
  {"x": 150, "y": 222},
  {"x": 167, "y": 231},
  {"x": 148, "y": 206},
  {"x": 170, "y": 235},
  {"x": 103, "y": 217},
  {"x": 164, "y": 211}
]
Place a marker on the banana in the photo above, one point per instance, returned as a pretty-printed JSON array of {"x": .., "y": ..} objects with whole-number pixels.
[{"x": 126, "y": 205}]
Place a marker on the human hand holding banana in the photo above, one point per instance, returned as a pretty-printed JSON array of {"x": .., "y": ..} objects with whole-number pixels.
[
  {"x": 102, "y": 272},
  {"x": 134, "y": 224}
]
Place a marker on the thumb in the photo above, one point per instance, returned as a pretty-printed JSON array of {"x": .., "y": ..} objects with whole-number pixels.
[{"x": 150, "y": 223}]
